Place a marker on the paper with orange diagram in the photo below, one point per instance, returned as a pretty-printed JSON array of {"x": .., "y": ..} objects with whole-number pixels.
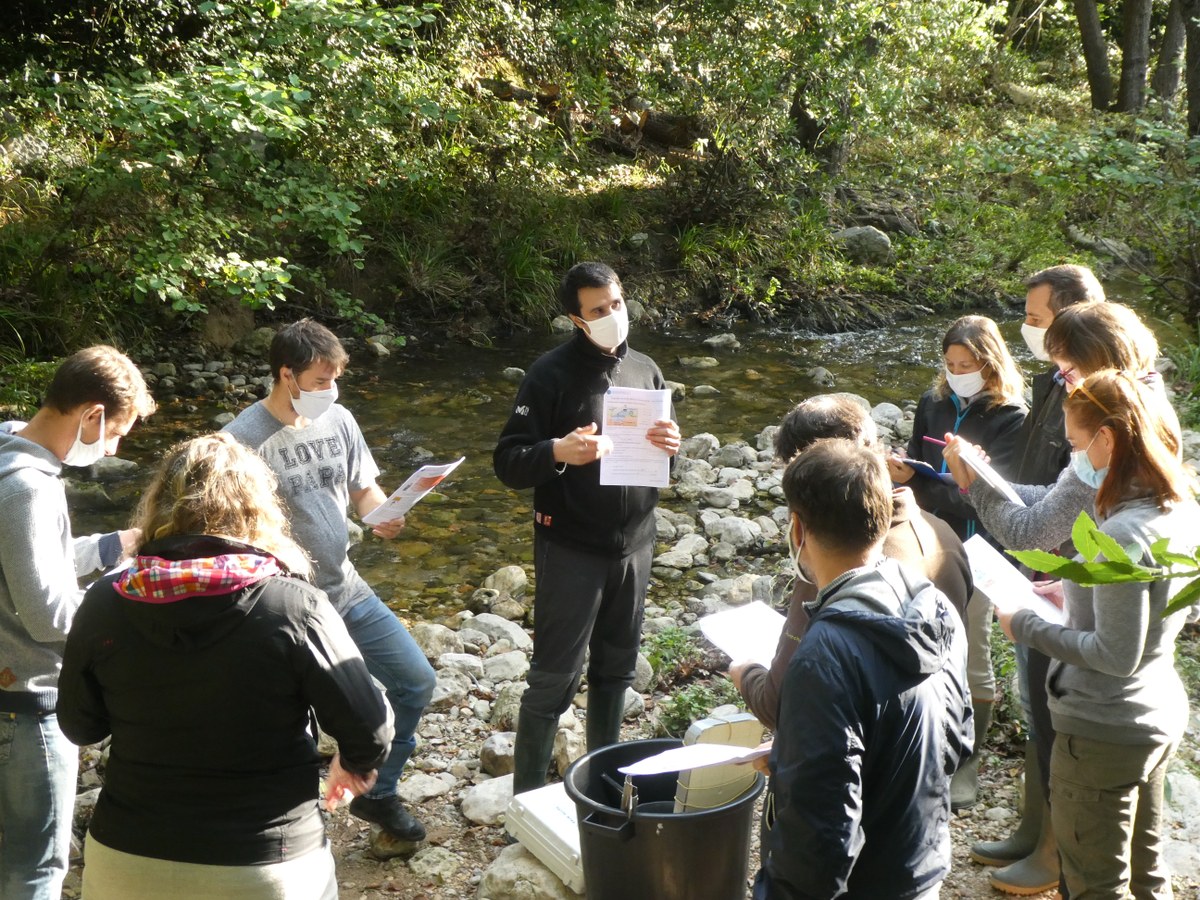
[{"x": 405, "y": 497}]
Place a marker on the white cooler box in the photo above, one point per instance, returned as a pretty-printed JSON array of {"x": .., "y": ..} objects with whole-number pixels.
[{"x": 544, "y": 821}]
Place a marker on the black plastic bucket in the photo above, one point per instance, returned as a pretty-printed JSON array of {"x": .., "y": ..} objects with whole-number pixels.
[{"x": 656, "y": 854}]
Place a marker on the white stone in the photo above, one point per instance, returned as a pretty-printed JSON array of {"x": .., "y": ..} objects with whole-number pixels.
[
  {"x": 510, "y": 580},
  {"x": 485, "y": 803},
  {"x": 467, "y": 663},
  {"x": 717, "y": 497},
  {"x": 518, "y": 875},
  {"x": 434, "y": 639},
  {"x": 450, "y": 688},
  {"x": 507, "y": 666},
  {"x": 507, "y": 705},
  {"x": 725, "y": 341},
  {"x": 887, "y": 415},
  {"x": 436, "y": 864},
  {"x": 496, "y": 627},
  {"x": 699, "y": 446},
  {"x": 741, "y": 533},
  {"x": 419, "y": 787},
  {"x": 569, "y": 745},
  {"x": 643, "y": 674},
  {"x": 674, "y": 559}
]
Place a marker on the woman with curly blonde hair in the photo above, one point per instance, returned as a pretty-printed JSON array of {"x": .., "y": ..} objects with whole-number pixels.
[{"x": 202, "y": 660}]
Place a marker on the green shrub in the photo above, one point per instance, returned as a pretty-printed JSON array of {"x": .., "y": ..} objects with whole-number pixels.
[{"x": 680, "y": 709}]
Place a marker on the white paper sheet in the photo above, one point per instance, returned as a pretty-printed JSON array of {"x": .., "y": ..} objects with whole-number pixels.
[
  {"x": 628, "y": 414},
  {"x": 747, "y": 633},
  {"x": 405, "y": 497},
  {"x": 692, "y": 756},
  {"x": 988, "y": 474},
  {"x": 1000, "y": 581}
]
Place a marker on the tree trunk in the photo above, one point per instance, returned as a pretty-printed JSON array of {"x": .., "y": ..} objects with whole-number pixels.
[
  {"x": 1095, "y": 52},
  {"x": 1166, "y": 72},
  {"x": 1135, "y": 55},
  {"x": 1191, "y": 24}
]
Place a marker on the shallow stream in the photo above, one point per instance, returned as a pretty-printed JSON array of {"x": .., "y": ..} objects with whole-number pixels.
[{"x": 454, "y": 401}]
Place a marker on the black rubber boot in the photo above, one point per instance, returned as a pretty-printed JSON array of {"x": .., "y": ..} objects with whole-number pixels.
[
  {"x": 605, "y": 710},
  {"x": 531, "y": 755},
  {"x": 964, "y": 786},
  {"x": 1022, "y": 842}
]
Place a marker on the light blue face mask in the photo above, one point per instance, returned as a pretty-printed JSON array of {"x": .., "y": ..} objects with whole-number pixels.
[{"x": 1088, "y": 474}]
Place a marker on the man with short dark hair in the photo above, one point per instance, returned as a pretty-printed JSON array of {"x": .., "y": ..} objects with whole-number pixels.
[
  {"x": 317, "y": 451},
  {"x": 915, "y": 538},
  {"x": 593, "y": 543},
  {"x": 875, "y": 713},
  {"x": 93, "y": 400}
]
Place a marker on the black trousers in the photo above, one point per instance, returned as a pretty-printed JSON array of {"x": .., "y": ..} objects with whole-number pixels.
[{"x": 583, "y": 601}]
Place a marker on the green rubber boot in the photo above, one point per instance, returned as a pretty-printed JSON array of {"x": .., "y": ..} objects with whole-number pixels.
[
  {"x": 531, "y": 754},
  {"x": 1035, "y": 873},
  {"x": 605, "y": 711},
  {"x": 1022, "y": 842},
  {"x": 964, "y": 786}
]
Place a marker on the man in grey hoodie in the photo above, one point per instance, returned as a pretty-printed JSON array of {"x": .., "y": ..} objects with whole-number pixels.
[
  {"x": 875, "y": 713},
  {"x": 93, "y": 400}
]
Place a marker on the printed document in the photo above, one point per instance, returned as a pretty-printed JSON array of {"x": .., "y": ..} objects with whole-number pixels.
[
  {"x": 1002, "y": 583},
  {"x": 629, "y": 413},
  {"x": 693, "y": 756},
  {"x": 988, "y": 474},
  {"x": 405, "y": 497},
  {"x": 747, "y": 633}
]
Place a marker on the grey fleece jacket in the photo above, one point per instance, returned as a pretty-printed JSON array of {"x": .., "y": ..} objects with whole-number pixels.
[
  {"x": 1113, "y": 675},
  {"x": 39, "y": 558},
  {"x": 1045, "y": 522}
]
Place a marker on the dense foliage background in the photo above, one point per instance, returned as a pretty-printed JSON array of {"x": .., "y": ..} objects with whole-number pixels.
[{"x": 433, "y": 168}]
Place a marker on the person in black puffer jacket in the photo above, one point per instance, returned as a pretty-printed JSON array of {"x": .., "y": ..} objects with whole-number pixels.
[{"x": 204, "y": 660}]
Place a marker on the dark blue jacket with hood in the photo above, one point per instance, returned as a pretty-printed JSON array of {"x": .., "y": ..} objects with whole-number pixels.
[{"x": 875, "y": 717}]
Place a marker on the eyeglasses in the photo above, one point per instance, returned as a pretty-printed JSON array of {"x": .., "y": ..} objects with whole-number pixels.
[{"x": 1068, "y": 376}]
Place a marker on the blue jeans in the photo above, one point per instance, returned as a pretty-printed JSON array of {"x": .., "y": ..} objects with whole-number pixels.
[
  {"x": 395, "y": 660},
  {"x": 38, "y": 768}
]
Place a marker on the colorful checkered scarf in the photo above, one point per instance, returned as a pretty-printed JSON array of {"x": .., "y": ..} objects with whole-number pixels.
[{"x": 152, "y": 579}]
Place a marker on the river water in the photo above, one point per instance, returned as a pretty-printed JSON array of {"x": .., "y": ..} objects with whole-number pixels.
[{"x": 453, "y": 401}]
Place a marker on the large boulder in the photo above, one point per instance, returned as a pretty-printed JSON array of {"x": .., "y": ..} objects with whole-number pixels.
[{"x": 864, "y": 244}]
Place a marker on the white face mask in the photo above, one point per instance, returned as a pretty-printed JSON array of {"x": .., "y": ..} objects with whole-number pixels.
[
  {"x": 794, "y": 553},
  {"x": 609, "y": 332},
  {"x": 965, "y": 385},
  {"x": 314, "y": 404},
  {"x": 82, "y": 454},
  {"x": 1035, "y": 340}
]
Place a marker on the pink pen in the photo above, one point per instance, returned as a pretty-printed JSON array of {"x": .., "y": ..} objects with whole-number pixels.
[{"x": 933, "y": 440}]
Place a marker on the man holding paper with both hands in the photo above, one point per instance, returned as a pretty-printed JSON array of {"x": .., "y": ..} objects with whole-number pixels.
[{"x": 593, "y": 523}]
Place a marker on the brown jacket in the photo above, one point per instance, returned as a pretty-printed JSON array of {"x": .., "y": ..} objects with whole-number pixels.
[{"x": 916, "y": 539}]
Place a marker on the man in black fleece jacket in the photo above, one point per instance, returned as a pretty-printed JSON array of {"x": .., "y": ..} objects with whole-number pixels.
[{"x": 593, "y": 543}]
